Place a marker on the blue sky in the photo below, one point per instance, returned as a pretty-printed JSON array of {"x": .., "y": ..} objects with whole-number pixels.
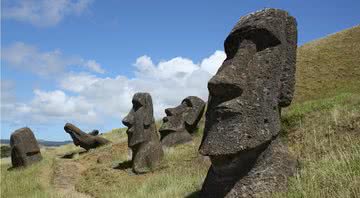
[{"x": 81, "y": 61}]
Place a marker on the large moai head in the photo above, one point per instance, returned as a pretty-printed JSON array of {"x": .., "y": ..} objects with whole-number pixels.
[
  {"x": 181, "y": 121},
  {"x": 143, "y": 139},
  {"x": 246, "y": 95},
  {"x": 85, "y": 140},
  {"x": 140, "y": 120},
  {"x": 25, "y": 149}
]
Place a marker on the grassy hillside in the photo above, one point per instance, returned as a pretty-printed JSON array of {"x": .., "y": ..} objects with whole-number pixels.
[
  {"x": 321, "y": 127},
  {"x": 329, "y": 66},
  {"x": 324, "y": 136}
]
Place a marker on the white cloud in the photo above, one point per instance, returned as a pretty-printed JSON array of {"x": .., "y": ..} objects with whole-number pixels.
[
  {"x": 168, "y": 82},
  {"x": 86, "y": 98},
  {"x": 56, "y": 104},
  {"x": 94, "y": 66},
  {"x": 28, "y": 57},
  {"x": 212, "y": 63},
  {"x": 77, "y": 82},
  {"x": 12, "y": 111},
  {"x": 42, "y": 12},
  {"x": 46, "y": 108}
]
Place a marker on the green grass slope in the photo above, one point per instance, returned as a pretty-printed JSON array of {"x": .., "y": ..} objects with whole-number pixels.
[
  {"x": 324, "y": 136},
  {"x": 321, "y": 127},
  {"x": 329, "y": 66}
]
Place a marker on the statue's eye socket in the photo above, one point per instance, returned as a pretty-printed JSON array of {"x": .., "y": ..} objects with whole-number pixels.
[
  {"x": 136, "y": 105},
  {"x": 262, "y": 38},
  {"x": 187, "y": 103}
]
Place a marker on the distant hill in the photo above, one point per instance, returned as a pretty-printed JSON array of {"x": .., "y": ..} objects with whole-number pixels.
[
  {"x": 329, "y": 66},
  {"x": 41, "y": 142}
]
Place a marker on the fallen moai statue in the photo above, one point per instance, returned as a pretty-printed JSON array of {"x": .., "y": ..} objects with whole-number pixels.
[
  {"x": 25, "y": 149},
  {"x": 83, "y": 139},
  {"x": 245, "y": 99},
  {"x": 181, "y": 121},
  {"x": 143, "y": 139}
]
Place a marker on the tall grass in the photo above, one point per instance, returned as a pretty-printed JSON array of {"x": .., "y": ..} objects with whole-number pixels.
[
  {"x": 325, "y": 137},
  {"x": 180, "y": 174},
  {"x": 33, "y": 181}
]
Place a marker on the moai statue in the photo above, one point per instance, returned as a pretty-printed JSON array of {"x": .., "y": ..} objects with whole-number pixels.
[
  {"x": 143, "y": 139},
  {"x": 245, "y": 99},
  {"x": 181, "y": 121},
  {"x": 25, "y": 149},
  {"x": 84, "y": 140}
]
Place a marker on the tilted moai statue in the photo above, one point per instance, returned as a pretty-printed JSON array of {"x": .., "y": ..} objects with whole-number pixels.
[
  {"x": 181, "y": 121},
  {"x": 84, "y": 140},
  {"x": 25, "y": 149},
  {"x": 245, "y": 99},
  {"x": 143, "y": 139}
]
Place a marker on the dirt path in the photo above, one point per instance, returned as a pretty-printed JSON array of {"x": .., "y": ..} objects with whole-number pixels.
[{"x": 65, "y": 175}]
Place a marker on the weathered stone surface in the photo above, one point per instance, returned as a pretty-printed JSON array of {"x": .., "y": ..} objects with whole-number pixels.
[
  {"x": 243, "y": 116},
  {"x": 25, "y": 149},
  {"x": 143, "y": 139},
  {"x": 94, "y": 132},
  {"x": 181, "y": 121},
  {"x": 82, "y": 139}
]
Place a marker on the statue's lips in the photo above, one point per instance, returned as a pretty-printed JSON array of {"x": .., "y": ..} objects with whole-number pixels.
[
  {"x": 133, "y": 141},
  {"x": 130, "y": 130},
  {"x": 167, "y": 126},
  {"x": 224, "y": 112},
  {"x": 166, "y": 130},
  {"x": 227, "y": 166},
  {"x": 71, "y": 132}
]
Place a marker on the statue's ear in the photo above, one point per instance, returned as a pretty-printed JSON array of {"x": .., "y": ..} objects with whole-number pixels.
[
  {"x": 196, "y": 110},
  {"x": 194, "y": 115},
  {"x": 148, "y": 120},
  {"x": 191, "y": 117},
  {"x": 288, "y": 71}
]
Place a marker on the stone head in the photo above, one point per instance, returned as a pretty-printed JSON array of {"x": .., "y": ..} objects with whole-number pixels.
[
  {"x": 76, "y": 134},
  {"x": 253, "y": 83},
  {"x": 24, "y": 147},
  {"x": 139, "y": 119},
  {"x": 184, "y": 117},
  {"x": 85, "y": 140}
]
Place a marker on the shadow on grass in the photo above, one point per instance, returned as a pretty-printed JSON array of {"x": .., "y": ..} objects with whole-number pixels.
[
  {"x": 124, "y": 165},
  {"x": 71, "y": 155},
  {"x": 195, "y": 194},
  {"x": 11, "y": 168}
]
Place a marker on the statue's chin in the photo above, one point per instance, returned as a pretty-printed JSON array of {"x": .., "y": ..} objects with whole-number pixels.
[{"x": 225, "y": 165}]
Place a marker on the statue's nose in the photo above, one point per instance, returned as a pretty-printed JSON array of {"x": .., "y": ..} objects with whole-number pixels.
[
  {"x": 169, "y": 111},
  {"x": 224, "y": 88},
  {"x": 128, "y": 120},
  {"x": 68, "y": 126}
]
